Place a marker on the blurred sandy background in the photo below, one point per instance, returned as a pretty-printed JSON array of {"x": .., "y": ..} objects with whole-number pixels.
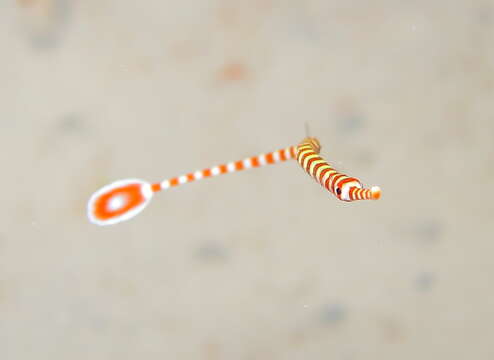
[{"x": 263, "y": 264}]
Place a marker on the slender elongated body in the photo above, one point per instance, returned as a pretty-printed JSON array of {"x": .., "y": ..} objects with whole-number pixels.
[
  {"x": 342, "y": 186},
  {"x": 123, "y": 199}
]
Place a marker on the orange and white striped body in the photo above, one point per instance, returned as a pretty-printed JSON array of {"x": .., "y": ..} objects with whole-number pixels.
[
  {"x": 123, "y": 199},
  {"x": 344, "y": 187},
  {"x": 252, "y": 162}
]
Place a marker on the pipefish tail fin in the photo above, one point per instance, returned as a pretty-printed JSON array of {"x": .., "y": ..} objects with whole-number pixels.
[{"x": 119, "y": 201}]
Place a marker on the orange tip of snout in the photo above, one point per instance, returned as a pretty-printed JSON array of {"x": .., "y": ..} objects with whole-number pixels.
[
  {"x": 375, "y": 192},
  {"x": 118, "y": 201}
]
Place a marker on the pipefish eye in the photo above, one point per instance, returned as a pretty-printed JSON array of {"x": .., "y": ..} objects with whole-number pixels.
[{"x": 338, "y": 191}]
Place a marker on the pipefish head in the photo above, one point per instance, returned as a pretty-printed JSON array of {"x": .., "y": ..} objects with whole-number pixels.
[
  {"x": 351, "y": 189},
  {"x": 356, "y": 192}
]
